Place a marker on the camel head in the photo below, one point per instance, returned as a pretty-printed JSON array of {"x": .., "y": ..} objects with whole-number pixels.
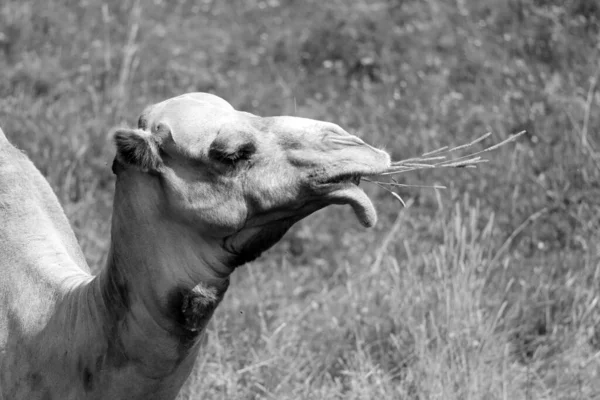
[{"x": 240, "y": 180}]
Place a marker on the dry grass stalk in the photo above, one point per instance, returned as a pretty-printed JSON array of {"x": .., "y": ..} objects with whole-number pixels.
[{"x": 439, "y": 158}]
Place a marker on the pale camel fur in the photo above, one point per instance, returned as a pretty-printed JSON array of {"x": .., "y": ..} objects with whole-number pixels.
[{"x": 200, "y": 189}]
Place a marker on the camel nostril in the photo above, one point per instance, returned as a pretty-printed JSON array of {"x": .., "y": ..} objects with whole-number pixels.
[{"x": 347, "y": 140}]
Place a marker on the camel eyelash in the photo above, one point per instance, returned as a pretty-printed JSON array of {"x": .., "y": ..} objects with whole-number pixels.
[{"x": 227, "y": 156}]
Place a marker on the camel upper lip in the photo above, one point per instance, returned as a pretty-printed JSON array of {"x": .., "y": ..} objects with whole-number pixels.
[{"x": 343, "y": 178}]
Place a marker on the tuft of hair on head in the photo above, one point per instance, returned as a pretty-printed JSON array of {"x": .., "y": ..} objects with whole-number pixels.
[{"x": 137, "y": 148}]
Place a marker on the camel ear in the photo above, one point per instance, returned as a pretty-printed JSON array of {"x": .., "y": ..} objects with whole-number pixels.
[{"x": 137, "y": 148}]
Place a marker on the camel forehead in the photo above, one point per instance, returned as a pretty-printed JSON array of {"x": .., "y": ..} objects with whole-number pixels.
[
  {"x": 191, "y": 108},
  {"x": 195, "y": 119},
  {"x": 204, "y": 98}
]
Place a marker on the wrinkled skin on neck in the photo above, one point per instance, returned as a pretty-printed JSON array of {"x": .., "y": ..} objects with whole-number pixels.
[{"x": 200, "y": 189}]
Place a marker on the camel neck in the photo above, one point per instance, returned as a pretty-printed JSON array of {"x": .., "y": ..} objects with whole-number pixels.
[{"x": 160, "y": 286}]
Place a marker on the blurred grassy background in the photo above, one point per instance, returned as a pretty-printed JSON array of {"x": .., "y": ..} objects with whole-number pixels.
[{"x": 488, "y": 290}]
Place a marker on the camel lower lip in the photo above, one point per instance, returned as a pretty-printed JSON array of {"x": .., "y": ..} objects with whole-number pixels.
[{"x": 354, "y": 196}]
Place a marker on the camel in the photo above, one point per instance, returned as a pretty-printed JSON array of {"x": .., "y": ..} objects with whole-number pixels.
[{"x": 201, "y": 189}]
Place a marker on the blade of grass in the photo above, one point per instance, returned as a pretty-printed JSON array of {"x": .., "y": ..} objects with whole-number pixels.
[
  {"x": 405, "y": 185},
  {"x": 494, "y": 147},
  {"x": 396, "y": 195},
  {"x": 464, "y": 146}
]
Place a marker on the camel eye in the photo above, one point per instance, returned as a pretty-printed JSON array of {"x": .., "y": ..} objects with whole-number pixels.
[{"x": 227, "y": 155}]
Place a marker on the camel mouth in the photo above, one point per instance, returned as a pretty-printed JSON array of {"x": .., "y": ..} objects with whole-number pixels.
[
  {"x": 337, "y": 181},
  {"x": 347, "y": 178},
  {"x": 344, "y": 189}
]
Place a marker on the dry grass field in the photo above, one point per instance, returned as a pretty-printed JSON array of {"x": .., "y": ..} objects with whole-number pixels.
[{"x": 486, "y": 290}]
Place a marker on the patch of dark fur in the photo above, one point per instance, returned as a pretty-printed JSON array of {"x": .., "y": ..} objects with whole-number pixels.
[{"x": 193, "y": 308}]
